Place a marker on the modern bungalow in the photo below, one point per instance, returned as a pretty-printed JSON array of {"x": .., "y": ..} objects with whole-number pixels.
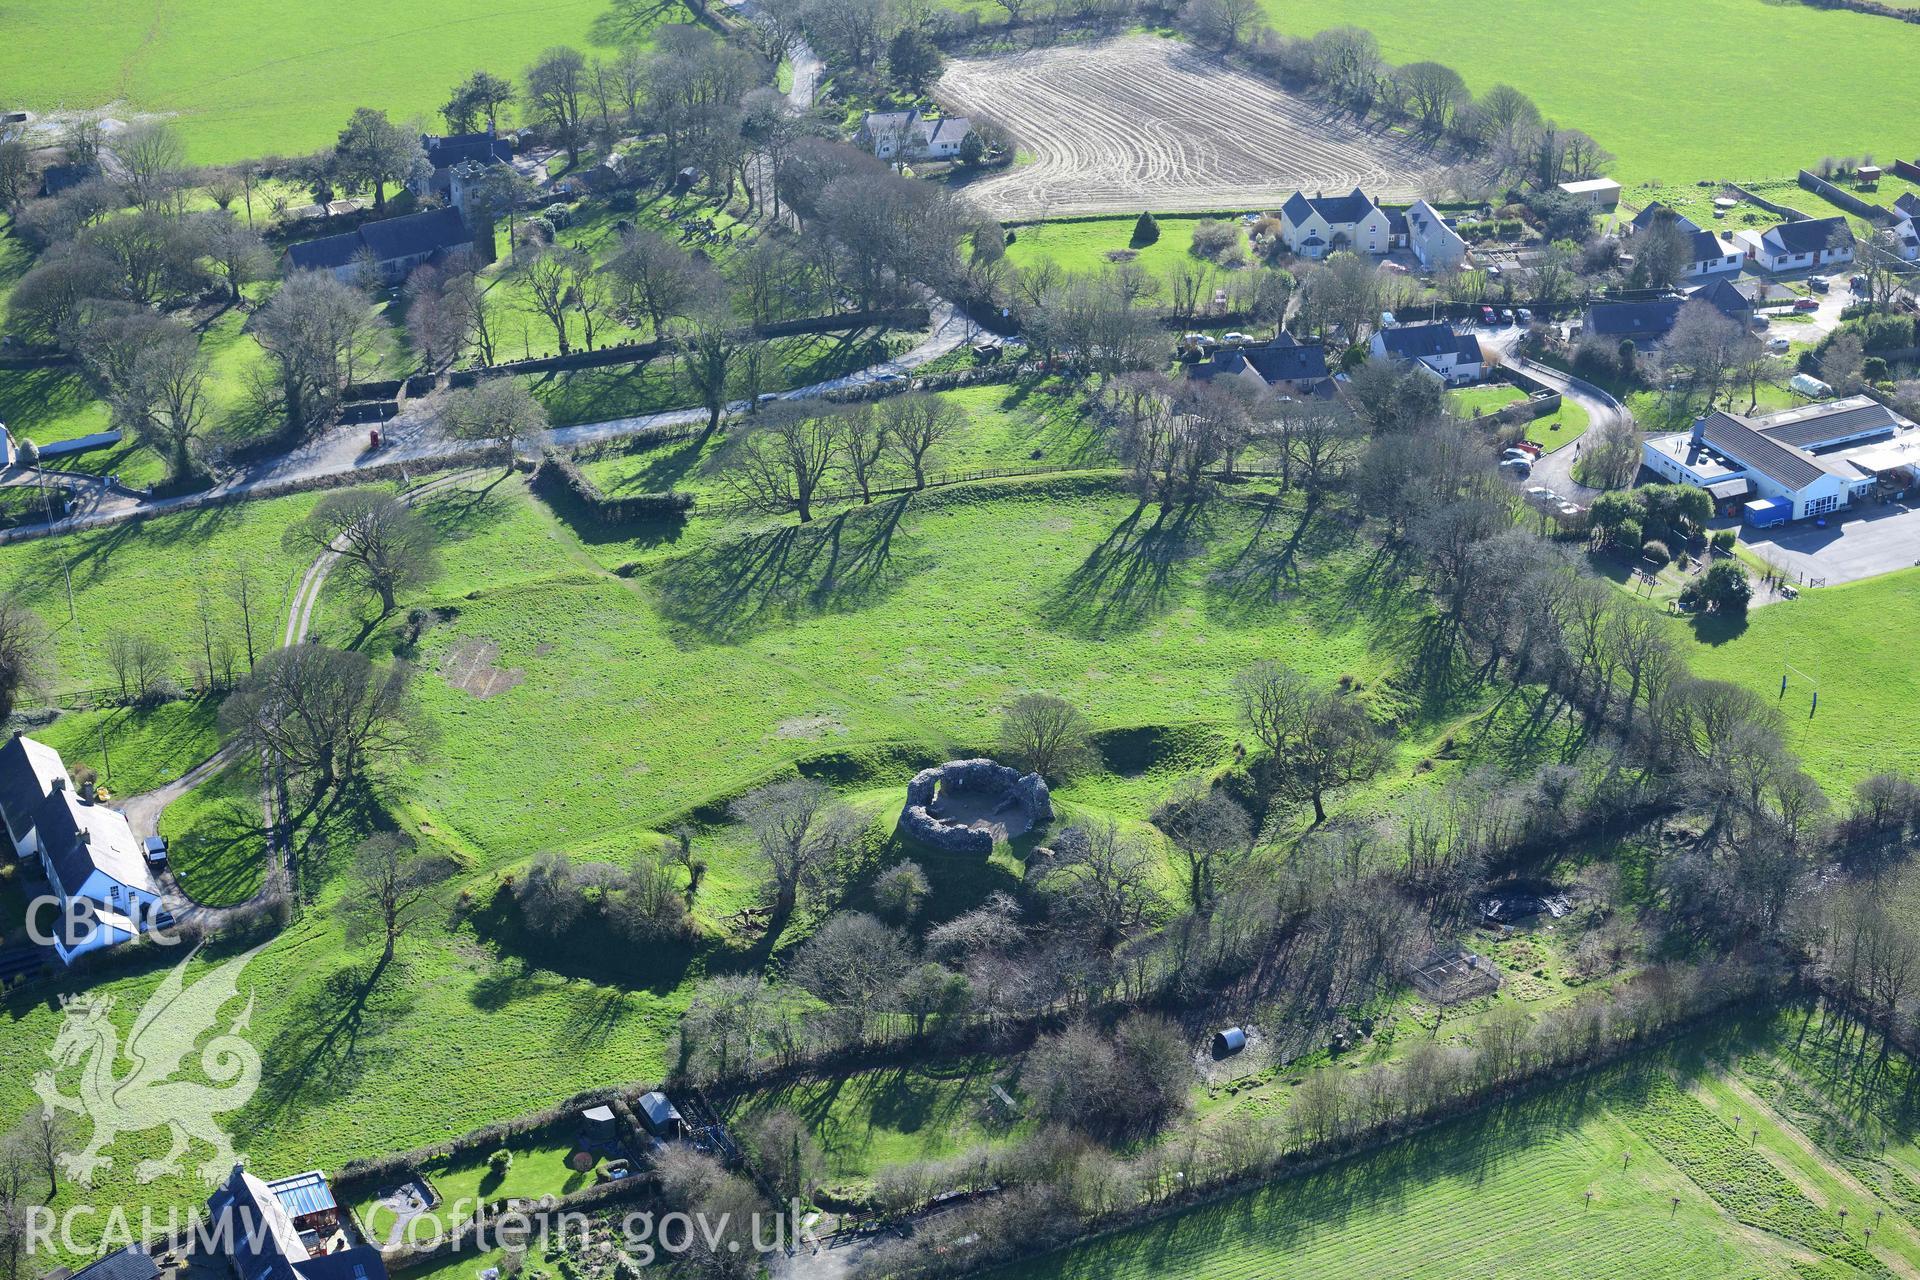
[
  {"x": 1432, "y": 239},
  {"x": 908, "y": 135},
  {"x": 1647, "y": 323},
  {"x": 286, "y": 1230},
  {"x": 1656, "y": 213},
  {"x": 1314, "y": 226},
  {"x": 1454, "y": 358},
  {"x": 1709, "y": 253},
  {"x": 1815, "y": 459},
  {"x": 1793, "y": 246}
]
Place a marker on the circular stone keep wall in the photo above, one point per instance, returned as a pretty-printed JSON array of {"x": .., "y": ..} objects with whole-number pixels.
[{"x": 964, "y": 805}]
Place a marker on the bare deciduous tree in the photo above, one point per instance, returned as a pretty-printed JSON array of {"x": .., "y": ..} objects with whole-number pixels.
[
  {"x": 391, "y": 881},
  {"x": 26, "y": 663},
  {"x": 386, "y": 547},
  {"x": 498, "y": 411},
  {"x": 914, "y": 426},
  {"x": 314, "y": 329},
  {"x": 1046, "y": 735},
  {"x": 801, "y": 832},
  {"x": 779, "y": 463}
]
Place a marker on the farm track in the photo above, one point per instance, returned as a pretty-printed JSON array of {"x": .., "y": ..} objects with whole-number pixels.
[
  {"x": 151, "y": 806},
  {"x": 1142, "y": 122}
]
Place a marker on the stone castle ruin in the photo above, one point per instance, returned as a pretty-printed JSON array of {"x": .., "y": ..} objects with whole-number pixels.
[{"x": 965, "y": 806}]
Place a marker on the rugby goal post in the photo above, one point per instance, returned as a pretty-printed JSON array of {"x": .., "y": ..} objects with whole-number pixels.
[{"x": 1790, "y": 673}]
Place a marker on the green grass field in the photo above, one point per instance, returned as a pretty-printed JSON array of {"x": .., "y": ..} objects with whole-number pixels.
[
  {"x": 871, "y": 1119},
  {"x": 149, "y": 571},
  {"x": 1561, "y": 427},
  {"x": 864, "y": 646},
  {"x": 216, "y": 843},
  {"x": 250, "y": 80},
  {"x": 539, "y": 1169},
  {"x": 1837, "y": 636},
  {"x": 1675, "y": 1190},
  {"x": 143, "y": 748},
  {"x": 1473, "y": 402},
  {"x": 1673, "y": 77},
  {"x": 1092, "y": 244}
]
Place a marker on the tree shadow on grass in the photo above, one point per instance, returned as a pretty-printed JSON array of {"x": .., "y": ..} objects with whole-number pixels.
[
  {"x": 220, "y": 860},
  {"x": 1060, "y": 429},
  {"x": 1718, "y": 628},
  {"x": 728, "y": 591},
  {"x": 470, "y": 509},
  {"x": 91, "y": 555},
  {"x": 333, "y": 1032},
  {"x": 1127, "y": 579},
  {"x": 659, "y": 469},
  {"x": 587, "y": 950},
  {"x": 1267, "y": 569}
]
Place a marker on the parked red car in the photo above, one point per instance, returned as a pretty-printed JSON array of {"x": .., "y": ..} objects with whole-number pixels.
[
  {"x": 1487, "y": 316},
  {"x": 1806, "y": 304}
]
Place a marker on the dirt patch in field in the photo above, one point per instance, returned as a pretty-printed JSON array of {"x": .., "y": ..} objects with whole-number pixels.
[
  {"x": 808, "y": 727},
  {"x": 473, "y": 664},
  {"x": 1143, "y": 122}
]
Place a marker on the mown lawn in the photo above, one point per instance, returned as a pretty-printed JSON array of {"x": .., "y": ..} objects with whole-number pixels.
[
  {"x": 1474, "y": 402},
  {"x": 1839, "y": 637},
  {"x": 539, "y": 1169},
  {"x": 1561, "y": 427},
  {"x": 216, "y": 838},
  {"x": 1668, "y": 70},
  {"x": 245, "y": 80},
  {"x": 1092, "y": 244}
]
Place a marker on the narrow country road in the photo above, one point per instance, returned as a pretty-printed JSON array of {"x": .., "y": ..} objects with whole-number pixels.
[
  {"x": 415, "y": 437},
  {"x": 1555, "y": 470}
]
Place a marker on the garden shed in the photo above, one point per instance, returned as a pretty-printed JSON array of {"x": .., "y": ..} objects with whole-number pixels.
[
  {"x": 661, "y": 1116},
  {"x": 596, "y": 1123}
]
